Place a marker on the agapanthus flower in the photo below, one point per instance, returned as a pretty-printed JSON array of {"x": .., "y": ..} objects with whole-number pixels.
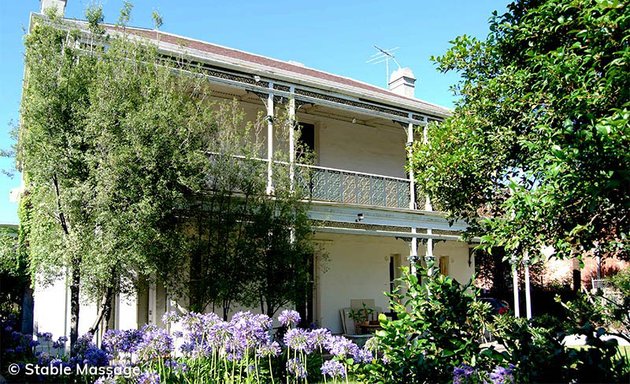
[
  {"x": 503, "y": 375},
  {"x": 341, "y": 346},
  {"x": 462, "y": 374},
  {"x": 155, "y": 343},
  {"x": 333, "y": 368},
  {"x": 249, "y": 330},
  {"x": 115, "y": 341},
  {"x": 45, "y": 336},
  {"x": 149, "y": 378},
  {"x": 297, "y": 339},
  {"x": 60, "y": 343},
  {"x": 176, "y": 366},
  {"x": 318, "y": 338},
  {"x": 296, "y": 368},
  {"x": 44, "y": 358},
  {"x": 95, "y": 357},
  {"x": 83, "y": 343},
  {"x": 362, "y": 355},
  {"x": 289, "y": 318},
  {"x": 269, "y": 350}
]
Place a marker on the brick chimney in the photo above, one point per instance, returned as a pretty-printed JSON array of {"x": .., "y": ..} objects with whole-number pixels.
[
  {"x": 402, "y": 82},
  {"x": 59, "y": 5}
]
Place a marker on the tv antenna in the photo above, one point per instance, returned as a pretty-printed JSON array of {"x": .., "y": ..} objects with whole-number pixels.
[{"x": 384, "y": 55}]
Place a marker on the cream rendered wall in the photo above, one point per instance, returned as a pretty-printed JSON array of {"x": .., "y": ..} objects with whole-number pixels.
[
  {"x": 341, "y": 144},
  {"x": 51, "y": 311},
  {"x": 361, "y": 148},
  {"x": 357, "y": 267},
  {"x": 127, "y": 312},
  {"x": 458, "y": 255}
]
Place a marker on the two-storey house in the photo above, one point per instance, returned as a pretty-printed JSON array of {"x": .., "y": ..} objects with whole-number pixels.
[{"x": 366, "y": 212}]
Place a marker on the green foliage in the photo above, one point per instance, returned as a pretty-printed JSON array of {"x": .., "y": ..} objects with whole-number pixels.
[
  {"x": 439, "y": 327},
  {"x": 133, "y": 172},
  {"x": 361, "y": 314},
  {"x": 621, "y": 281},
  {"x": 439, "y": 333},
  {"x": 537, "y": 144},
  {"x": 537, "y": 349},
  {"x": 13, "y": 273}
]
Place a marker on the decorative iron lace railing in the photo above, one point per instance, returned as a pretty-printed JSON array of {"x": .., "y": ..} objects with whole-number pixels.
[
  {"x": 336, "y": 185},
  {"x": 343, "y": 186}
]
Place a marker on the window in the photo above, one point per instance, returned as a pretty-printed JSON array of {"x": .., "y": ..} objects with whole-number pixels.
[
  {"x": 444, "y": 261},
  {"x": 394, "y": 271}
]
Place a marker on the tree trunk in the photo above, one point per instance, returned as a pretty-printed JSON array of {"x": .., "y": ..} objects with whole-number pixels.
[
  {"x": 226, "y": 310},
  {"x": 27, "y": 311},
  {"x": 105, "y": 310},
  {"x": 75, "y": 304}
]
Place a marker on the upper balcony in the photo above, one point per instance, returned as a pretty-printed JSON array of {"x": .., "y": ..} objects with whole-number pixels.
[{"x": 348, "y": 187}]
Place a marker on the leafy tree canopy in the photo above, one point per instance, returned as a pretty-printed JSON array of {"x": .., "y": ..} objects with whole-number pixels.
[
  {"x": 537, "y": 146},
  {"x": 131, "y": 174}
]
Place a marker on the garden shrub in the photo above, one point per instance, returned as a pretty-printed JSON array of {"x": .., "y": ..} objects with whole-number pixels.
[{"x": 439, "y": 328}]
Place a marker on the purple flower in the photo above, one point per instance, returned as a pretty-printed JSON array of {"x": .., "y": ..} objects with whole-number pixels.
[
  {"x": 176, "y": 366},
  {"x": 149, "y": 378},
  {"x": 342, "y": 347},
  {"x": 318, "y": 338},
  {"x": 289, "y": 318},
  {"x": 333, "y": 368},
  {"x": 269, "y": 350},
  {"x": 43, "y": 358},
  {"x": 115, "y": 341},
  {"x": 462, "y": 374},
  {"x": 297, "y": 339},
  {"x": 296, "y": 368},
  {"x": 83, "y": 343},
  {"x": 362, "y": 355},
  {"x": 95, "y": 357},
  {"x": 45, "y": 336},
  {"x": 155, "y": 343},
  {"x": 503, "y": 375}
]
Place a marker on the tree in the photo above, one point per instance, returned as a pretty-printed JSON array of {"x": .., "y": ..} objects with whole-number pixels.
[
  {"x": 130, "y": 167},
  {"x": 249, "y": 248},
  {"x": 536, "y": 151}
]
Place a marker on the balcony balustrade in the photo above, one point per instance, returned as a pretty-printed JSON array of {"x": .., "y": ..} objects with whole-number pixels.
[{"x": 343, "y": 186}]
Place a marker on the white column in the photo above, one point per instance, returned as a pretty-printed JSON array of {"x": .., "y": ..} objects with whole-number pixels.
[
  {"x": 430, "y": 259},
  {"x": 270, "y": 139},
  {"x": 528, "y": 297},
  {"x": 152, "y": 304},
  {"x": 412, "y": 198},
  {"x": 517, "y": 310},
  {"x": 292, "y": 122}
]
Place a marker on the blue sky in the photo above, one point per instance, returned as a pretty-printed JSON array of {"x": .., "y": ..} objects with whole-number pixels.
[{"x": 333, "y": 36}]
